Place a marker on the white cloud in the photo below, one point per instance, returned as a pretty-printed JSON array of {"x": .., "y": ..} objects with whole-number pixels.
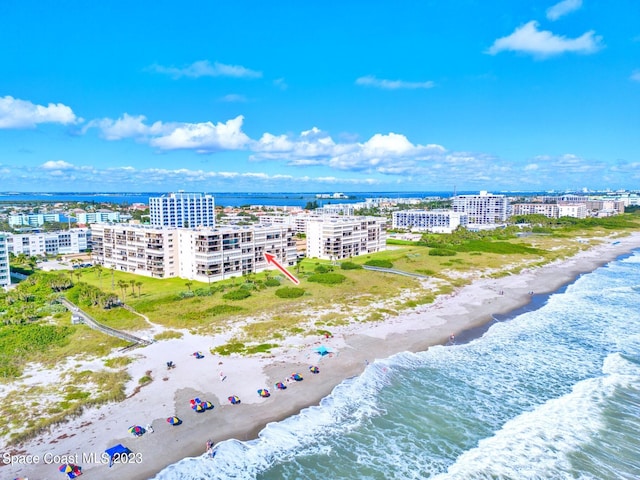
[
  {"x": 57, "y": 165},
  {"x": 371, "y": 81},
  {"x": 543, "y": 43},
  {"x": 562, "y": 8},
  {"x": 204, "y": 68},
  {"x": 635, "y": 76},
  {"x": 16, "y": 113},
  {"x": 127, "y": 126},
  {"x": 204, "y": 137},
  {"x": 383, "y": 153},
  {"x": 531, "y": 167}
]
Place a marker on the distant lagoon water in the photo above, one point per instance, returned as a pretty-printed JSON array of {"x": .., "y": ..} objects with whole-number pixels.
[{"x": 223, "y": 199}]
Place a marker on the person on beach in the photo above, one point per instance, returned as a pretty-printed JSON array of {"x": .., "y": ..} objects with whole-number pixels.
[
  {"x": 210, "y": 448},
  {"x": 149, "y": 428}
]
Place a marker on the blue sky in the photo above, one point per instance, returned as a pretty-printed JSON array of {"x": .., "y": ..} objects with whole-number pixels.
[{"x": 319, "y": 96}]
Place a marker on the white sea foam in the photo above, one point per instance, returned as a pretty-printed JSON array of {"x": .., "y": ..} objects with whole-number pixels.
[{"x": 537, "y": 444}]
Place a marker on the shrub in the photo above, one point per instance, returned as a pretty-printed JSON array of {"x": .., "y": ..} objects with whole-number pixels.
[
  {"x": 350, "y": 266},
  {"x": 272, "y": 282},
  {"x": 327, "y": 278},
  {"x": 290, "y": 292},
  {"x": 379, "y": 263},
  {"x": 441, "y": 252},
  {"x": 222, "y": 310},
  {"x": 322, "y": 269},
  {"x": 239, "y": 294},
  {"x": 202, "y": 292}
]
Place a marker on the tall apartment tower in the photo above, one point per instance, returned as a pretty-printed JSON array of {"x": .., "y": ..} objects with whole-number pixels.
[
  {"x": 5, "y": 275},
  {"x": 182, "y": 210},
  {"x": 485, "y": 208}
]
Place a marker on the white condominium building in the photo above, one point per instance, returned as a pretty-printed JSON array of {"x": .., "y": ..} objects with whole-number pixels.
[
  {"x": 439, "y": 221},
  {"x": 75, "y": 240},
  {"x": 141, "y": 249},
  {"x": 576, "y": 210},
  {"x": 485, "y": 208},
  {"x": 33, "y": 219},
  {"x": 203, "y": 254},
  {"x": 97, "y": 217},
  {"x": 547, "y": 209},
  {"x": 5, "y": 274},
  {"x": 337, "y": 209},
  {"x": 215, "y": 254},
  {"x": 335, "y": 238},
  {"x": 182, "y": 210}
]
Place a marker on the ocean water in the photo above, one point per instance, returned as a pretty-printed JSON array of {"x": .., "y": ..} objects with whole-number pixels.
[{"x": 549, "y": 394}]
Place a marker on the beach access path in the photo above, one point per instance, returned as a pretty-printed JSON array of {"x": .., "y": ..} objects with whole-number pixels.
[{"x": 353, "y": 345}]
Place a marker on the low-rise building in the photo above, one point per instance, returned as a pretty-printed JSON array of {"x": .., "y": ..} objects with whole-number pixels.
[
  {"x": 549, "y": 210},
  {"x": 85, "y": 218},
  {"x": 576, "y": 210},
  {"x": 75, "y": 240},
  {"x": 335, "y": 238},
  {"x": 33, "y": 219},
  {"x": 438, "y": 221}
]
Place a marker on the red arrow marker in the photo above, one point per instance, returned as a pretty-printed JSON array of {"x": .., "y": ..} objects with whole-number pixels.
[{"x": 272, "y": 259}]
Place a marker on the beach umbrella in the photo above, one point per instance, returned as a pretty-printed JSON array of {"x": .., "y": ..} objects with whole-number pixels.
[
  {"x": 206, "y": 405},
  {"x": 174, "y": 420},
  {"x": 66, "y": 468},
  {"x": 296, "y": 376},
  {"x": 197, "y": 400},
  {"x": 192, "y": 402},
  {"x": 281, "y": 386},
  {"x": 322, "y": 350},
  {"x": 263, "y": 392},
  {"x": 314, "y": 369},
  {"x": 136, "y": 430},
  {"x": 198, "y": 407},
  {"x": 234, "y": 400}
]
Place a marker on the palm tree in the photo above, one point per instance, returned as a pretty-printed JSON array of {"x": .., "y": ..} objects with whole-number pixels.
[
  {"x": 133, "y": 286},
  {"x": 113, "y": 271},
  {"x": 123, "y": 286},
  {"x": 98, "y": 270},
  {"x": 139, "y": 285},
  {"x": 188, "y": 285}
]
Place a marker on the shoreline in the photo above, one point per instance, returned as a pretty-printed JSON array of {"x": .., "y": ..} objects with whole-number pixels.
[{"x": 467, "y": 313}]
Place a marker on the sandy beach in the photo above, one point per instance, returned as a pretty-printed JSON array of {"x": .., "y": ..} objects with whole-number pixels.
[{"x": 215, "y": 378}]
